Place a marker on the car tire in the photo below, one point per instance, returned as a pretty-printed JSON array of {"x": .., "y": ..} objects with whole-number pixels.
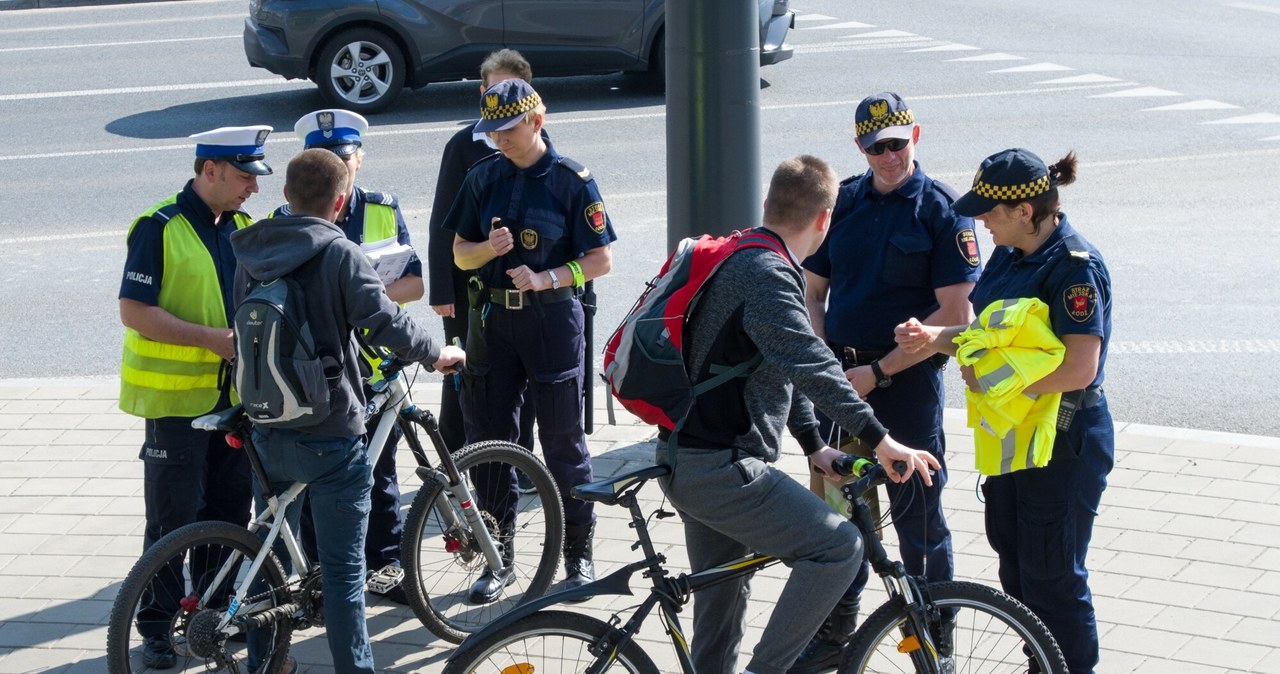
[
  {"x": 657, "y": 75},
  {"x": 361, "y": 70}
]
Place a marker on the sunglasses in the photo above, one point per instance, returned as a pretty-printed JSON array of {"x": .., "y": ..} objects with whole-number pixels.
[{"x": 893, "y": 144}]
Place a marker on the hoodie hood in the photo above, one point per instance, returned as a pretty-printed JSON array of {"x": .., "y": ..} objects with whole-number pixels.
[{"x": 274, "y": 247}]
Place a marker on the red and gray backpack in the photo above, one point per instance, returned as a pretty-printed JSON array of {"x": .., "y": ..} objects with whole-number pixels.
[{"x": 644, "y": 361}]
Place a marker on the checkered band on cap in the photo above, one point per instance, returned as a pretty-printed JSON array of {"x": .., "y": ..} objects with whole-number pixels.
[
  {"x": 1012, "y": 192},
  {"x": 490, "y": 110},
  {"x": 899, "y": 118}
]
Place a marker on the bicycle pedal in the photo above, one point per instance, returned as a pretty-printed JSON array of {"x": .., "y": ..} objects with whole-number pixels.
[{"x": 385, "y": 579}]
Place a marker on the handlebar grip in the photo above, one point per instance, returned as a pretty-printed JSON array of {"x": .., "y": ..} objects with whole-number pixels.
[
  {"x": 849, "y": 464},
  {"x": 899, "y": 467}
]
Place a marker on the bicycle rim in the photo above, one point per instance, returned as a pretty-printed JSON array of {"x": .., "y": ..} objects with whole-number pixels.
[
  {"x": 547, "y": 641},
  {"x": 178, "y": 569},
  {"x": 442, "y": 561},
  {"x": 993, "y": 634}
]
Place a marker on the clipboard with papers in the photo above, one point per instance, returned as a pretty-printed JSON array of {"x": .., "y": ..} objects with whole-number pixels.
[{"x": 389, "y": 258}]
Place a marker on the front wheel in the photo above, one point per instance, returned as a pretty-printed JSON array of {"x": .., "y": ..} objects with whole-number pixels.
[
  {"x": 442, "y": 554},
  {"x": 993, "y": 634},
  {"x": 361, "y": 70},
  {"x": 548, "y": 641},
  {"x": 166, "y": 609}
]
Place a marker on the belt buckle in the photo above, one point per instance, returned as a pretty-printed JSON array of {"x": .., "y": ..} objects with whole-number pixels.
[
  {"x": 514, "y": 299},
  {"x": 851, "y": 355}
]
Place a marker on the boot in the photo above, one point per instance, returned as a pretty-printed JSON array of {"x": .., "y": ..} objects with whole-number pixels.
[
  {"x": 822, "y": 654},
  {"x": 490, "y": 584},
  {"x": 578, "y": 569}
]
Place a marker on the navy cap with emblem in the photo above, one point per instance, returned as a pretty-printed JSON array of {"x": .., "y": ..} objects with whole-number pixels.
[
  {"x": 504, "y": 104},
  {"x": 1009, "y": 176},
  {"x": 883, "y": 115},
  {"x": 240, "y": 146},
  {"x": 339, "y": 131}
]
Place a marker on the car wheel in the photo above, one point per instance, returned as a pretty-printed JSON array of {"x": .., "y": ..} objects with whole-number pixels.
[
  {"x": 658, "y": 63},
  {"x": 361, "y": 70}
]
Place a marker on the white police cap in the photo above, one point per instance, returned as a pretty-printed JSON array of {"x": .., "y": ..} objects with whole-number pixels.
[
  {"x": 338, "y": 131},
  {"x": 240, "y": 146}
]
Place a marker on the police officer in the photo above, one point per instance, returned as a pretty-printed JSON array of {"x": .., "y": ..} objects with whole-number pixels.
[
  {"x": 176, "y": 306},
  {"x": 533, "y": 225},
  {"x": 369, "y": 218},
  {"x": 447, "y": 284},
  {"x": 1039, "y": 521},
  {"x": 896, "y": 249}
]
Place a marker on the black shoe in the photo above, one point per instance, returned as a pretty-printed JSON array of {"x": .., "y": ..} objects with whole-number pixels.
[
  {"x": 578, "y": 571},
  {"x": 525, "y": 483},
  {"x": 944, "y": 635},
  {"x": 489, "y": 585},
  {"x": 819, "y": 655},
  {"x": 157, "y": 653},
  {"x": 397, "y": 595}
]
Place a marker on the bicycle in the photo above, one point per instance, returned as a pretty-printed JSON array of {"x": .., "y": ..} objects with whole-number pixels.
[
  {"x": 925, "y": 628},
  {"x": 211, "y": 588}
]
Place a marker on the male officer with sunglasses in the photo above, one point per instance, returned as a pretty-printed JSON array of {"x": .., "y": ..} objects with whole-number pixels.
[{"x": 896, "y": 247}]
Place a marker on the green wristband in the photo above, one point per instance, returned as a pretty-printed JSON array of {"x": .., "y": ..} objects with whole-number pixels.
[{"x": 578, "y": 279}]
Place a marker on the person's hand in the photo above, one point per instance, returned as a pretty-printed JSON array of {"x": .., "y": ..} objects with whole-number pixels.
[
  {"x": 501, "y": 239},
  {"x": 450, "y": 361},
  {"x": 821, "y": 461},
  {"x": 914, "y": 335},
  {"x": 862, "y": 378},
  {"x": 524, "y": 278},
  {"x": 223, "y": 344},
  {"x": 890, "y": 450},
  {"x": 445, "y": 310},
  {"x": 970, "y": 378}
]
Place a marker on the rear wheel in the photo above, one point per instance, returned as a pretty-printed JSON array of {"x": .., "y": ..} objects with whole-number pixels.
[
  {"x": 162, "y": 601},
  {"x": 547, "y": 641},
  {"x": 442, "y": 555},
  {"x": 993, "y": 634},
  {"x": 362, "y": 70}
]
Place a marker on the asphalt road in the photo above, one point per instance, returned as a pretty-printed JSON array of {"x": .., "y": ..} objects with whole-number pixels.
[{"x": 1173, "y": 107}]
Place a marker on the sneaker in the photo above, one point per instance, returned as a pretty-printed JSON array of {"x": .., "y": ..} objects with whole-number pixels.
[
  {"x": 525, "y": 483},
  {"x": 157, "y": 653}
]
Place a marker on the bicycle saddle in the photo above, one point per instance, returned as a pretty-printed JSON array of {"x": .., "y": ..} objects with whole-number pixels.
[
  {"x": 608, "y": 491},
  {"x": 219, "y": 421}
]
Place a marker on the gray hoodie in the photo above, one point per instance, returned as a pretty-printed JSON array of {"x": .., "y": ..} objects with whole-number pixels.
[{"x": 342, "y": 292}]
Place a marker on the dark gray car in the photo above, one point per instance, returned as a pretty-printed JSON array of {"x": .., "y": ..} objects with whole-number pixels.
[{"x": 362, "y": 54}]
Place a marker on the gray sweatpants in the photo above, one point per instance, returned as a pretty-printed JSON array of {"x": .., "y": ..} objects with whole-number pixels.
[{"x": 732, "y": 508}]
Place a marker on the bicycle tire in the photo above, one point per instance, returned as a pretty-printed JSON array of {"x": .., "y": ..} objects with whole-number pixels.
[
  {"x": 188, "y": 551},
  {"x": 547, "y": 641},
  {"x": 437, "y": 581},
  {"x": 994, "y": 634}
]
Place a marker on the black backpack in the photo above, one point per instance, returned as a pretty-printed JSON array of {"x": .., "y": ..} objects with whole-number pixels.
[{"x": 282, "y": 380}]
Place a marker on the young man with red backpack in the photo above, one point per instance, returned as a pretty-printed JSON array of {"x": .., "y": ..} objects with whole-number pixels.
[{"x": 729, "y": 495}]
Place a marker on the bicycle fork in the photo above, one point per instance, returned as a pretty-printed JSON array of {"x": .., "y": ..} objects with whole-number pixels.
[
  {"x": 471, "y": 515},
  {"x": 917, "y": 640}
]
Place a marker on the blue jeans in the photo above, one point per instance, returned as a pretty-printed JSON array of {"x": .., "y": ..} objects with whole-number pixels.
[{"x": 339, "y": 479}]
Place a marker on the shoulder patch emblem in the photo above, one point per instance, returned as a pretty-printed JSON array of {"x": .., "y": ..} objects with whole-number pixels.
[
  {"x": 1080, "y": 301},
  {"x": 968, "y": 245},
  {"x": 595, "y": 216},
  {"x": 529, "y": 238}
]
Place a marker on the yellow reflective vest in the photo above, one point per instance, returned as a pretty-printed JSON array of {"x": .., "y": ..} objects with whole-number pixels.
[
  {"x": 174, "y": 380},
  {"x": 1010, "y": 346}
]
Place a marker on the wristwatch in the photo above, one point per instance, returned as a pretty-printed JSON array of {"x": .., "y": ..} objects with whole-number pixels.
[
  {"x": 882, "y": 380},
  {"x": 555, "y": 282}
]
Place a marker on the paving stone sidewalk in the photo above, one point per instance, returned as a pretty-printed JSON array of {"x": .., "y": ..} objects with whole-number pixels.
[{"x": 1185, "y": 557}]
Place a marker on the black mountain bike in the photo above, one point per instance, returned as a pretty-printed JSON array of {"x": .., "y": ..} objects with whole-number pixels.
[{"x": 937, "y": 628}]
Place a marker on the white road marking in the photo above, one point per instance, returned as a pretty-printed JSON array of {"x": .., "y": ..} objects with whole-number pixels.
[
  {"x": 1256, "y": 118},
  {"x": 844, "y": 25},
  {"x": 870, "y": 45},
  {"x": 1176, "y": 346},
  {"x": 1272, "y": 138},
  {"x": 995, "y": 56},
  {"x": 953, "y": 46},
  {"x": 1202, "y": 104},
  {"x": 1081, "y": 79},
  {"x": 804, "y": 16},
  {"x": 1139, "y": 92},
  {"x": 95, "y": 45},
  {"x": 880, "y": 33},
  {"x": 273, "y": 82},
  {"x": 1034, "y": 68},
  {"x": 1252, "y": 7},
  {"x": 185, "y": 20}
]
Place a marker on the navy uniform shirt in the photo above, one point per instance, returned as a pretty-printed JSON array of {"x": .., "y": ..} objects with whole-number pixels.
[
  {"x": 553, "y": 209},
  {"x": 353, "y": 224},
  {"x": 887, "y": 253},
  {"x": 1078, "y": 291},
  {"x": 144, "y": 259}
]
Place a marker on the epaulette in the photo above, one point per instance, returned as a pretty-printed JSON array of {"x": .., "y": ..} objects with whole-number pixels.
[
  {"x": 484, "y": 159},
  {"x": 380, "y": 198},
  {"x": 282, "y": 212},
  {"x": 166, "y": 213},
  {"x": 851, "y": 179},
  {"x": 578, "y": 169},
  {"x": 1079, "y": 253}
]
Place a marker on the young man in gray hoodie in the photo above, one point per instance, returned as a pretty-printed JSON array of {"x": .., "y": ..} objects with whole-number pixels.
[
  {"x": 730, "y": 497},
  {"x": 342, "y": 292}
]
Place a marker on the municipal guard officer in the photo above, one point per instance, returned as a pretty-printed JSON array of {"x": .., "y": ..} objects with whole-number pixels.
[
  {"x": 176, "y": 306},
  {"x": 896, "y": 249},
  {"x": 1040, "y": 520},
  {"x": 369, "y": 218},
  {"x": 533, "y": 225}
]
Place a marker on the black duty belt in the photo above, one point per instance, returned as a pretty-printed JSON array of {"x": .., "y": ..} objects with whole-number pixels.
[
  {"x": 519, "y": 299},
  {"x": 851, "y": 357}
]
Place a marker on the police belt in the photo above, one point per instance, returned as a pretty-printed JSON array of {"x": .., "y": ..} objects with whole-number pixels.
[
  {"x": 851, "y": 357},
  {"x": 519, "y": 299},
  {"x": 1089, "y": 397}
]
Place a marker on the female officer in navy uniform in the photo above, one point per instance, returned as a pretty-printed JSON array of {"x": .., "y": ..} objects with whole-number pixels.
[
  {"x": 1039, "y": 521},
  {"x": 533, "y": 225}
]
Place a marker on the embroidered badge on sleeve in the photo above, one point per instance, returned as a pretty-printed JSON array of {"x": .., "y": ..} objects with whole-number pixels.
[{"x": 1080, "y": 301}]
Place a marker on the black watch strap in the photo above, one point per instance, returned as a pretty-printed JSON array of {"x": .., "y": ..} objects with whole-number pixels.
[{"x": 882, "y": 380}]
